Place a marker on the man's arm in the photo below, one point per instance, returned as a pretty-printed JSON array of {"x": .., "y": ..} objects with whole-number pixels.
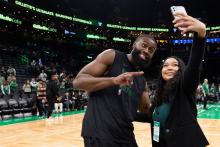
[
  {"x": 144, "y": 113},
  {"x": 145, "y": 103},
  {"x": 90, "y": 78}
]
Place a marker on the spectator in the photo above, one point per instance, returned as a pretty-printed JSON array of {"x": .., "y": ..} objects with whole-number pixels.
[
  {"x": 27, "y": 88},
  {"x": 5, "y": 88},
  {"x": 41, "y": 98},
  {"x": 43, "y": 76},
  {"x": 11, "y": 70},
  {"x": 13, "y": 85},
  {"x": 33, "y": 85},
  {"x": 68, "y": 102},
  {"x": 200, "y": 93},
  {"x": 205, "y": 87}
]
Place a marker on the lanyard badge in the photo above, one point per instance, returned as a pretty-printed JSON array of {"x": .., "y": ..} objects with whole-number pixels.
[{"x": 156, "y": 131}]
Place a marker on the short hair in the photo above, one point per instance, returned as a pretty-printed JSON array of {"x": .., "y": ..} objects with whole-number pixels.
[{"x": 141, "y": 36}]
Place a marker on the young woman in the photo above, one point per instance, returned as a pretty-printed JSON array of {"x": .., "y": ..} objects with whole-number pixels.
[{"x": 173, "y": 112}]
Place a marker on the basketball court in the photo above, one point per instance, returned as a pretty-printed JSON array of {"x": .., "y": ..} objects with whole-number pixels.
[{"x": 64, "y": 130}]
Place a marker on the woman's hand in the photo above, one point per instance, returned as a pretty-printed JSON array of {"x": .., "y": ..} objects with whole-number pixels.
[{"x": 187, "y": 23}]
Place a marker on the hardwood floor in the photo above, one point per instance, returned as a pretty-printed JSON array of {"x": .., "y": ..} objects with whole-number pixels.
[{"x": 64, "y": 131}]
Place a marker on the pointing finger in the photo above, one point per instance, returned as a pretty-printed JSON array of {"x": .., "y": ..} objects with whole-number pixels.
[{"x": 140, "y": 73}]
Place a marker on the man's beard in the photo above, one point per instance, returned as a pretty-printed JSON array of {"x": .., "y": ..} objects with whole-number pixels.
[{"x": 138, "y": 61}]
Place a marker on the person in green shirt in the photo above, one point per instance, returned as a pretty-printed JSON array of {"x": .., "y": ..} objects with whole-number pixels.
[
  {"x": 205, "y": 87},
  {"x": 5, "y": 88},
  {"x": 34, "y": 85},
  {"x": 13, "y": 86}
]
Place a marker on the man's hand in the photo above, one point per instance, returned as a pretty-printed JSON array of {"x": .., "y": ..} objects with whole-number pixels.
[
  {"x": 126, "y": 78},
  {"x": 59, "y": 99}
]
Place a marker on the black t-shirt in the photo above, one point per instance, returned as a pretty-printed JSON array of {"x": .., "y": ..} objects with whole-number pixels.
[
  {"x": 110, "y": 111},
  {"x": 52, "y": 91}
]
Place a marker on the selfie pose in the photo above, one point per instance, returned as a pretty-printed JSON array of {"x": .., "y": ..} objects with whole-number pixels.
[{"x": 174, "y": 112}]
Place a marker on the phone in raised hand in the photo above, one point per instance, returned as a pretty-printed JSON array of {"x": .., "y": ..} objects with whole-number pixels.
[{"x": 177, "y": 9}]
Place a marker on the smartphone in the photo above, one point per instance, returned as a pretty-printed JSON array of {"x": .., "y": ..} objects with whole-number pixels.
[{"x": 179, "y": 9}]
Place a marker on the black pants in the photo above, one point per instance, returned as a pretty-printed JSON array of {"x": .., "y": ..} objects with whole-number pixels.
[
  {"x": 205, "y": 102},
  {"x": 96, "y": 142},
  {"x": 50, "y": 108},
  {"x": 41, "y": 108}
]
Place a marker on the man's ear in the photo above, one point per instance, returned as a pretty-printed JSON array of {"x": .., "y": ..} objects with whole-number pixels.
[{"x": 134, "y": 44}]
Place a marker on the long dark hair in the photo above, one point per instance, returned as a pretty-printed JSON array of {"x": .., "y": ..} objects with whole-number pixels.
[{"x": 165, "y": 87}]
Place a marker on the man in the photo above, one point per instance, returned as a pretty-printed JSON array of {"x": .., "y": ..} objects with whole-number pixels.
[
  {"x": 116, "y": 85},
  {"x": 11, "y": 70},
  {"x": 200, "y": 93},
  {"x": 52, "y": 92},
  {"x": 205, "y": 87},
  {"x": 68, "y": 102},
  {"x": 41, "y": 98},
  {"x": 43, "y": 76}
]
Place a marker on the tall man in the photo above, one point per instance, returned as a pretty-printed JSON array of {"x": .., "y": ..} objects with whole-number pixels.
[
  {"x": 116, "y": 85},
  {"x": 52, "y": 92}
]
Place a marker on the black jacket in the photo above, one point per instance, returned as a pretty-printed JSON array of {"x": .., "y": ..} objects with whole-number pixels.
[
  {"x": 182, "y": 128},
  {"x": 52, "y": 91}
]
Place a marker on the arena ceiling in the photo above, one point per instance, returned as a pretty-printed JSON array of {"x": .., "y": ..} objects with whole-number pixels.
[{"x": 132, "y": 12}]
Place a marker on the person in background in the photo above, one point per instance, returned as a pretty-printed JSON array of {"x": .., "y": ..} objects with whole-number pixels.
[
  {"x": 68, "y": 103},
  {"x": 34, "y": 85},
  {"x": 27, "y": 88},
  {"x": 5, "y": 89},
  {"x": 205, "y": 87},
  {"x": 52, "y": 93},
  {"x": 58, "y": 105},
  {"x": 41, "y": 98},
  {"x": 13, "y": 86}
]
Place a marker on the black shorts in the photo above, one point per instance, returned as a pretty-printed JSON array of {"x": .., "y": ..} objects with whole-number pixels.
[{"x": 97, "y": 142}]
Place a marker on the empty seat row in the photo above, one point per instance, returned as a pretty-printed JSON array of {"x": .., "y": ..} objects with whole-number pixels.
[{"x": 12, "y": 108}]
